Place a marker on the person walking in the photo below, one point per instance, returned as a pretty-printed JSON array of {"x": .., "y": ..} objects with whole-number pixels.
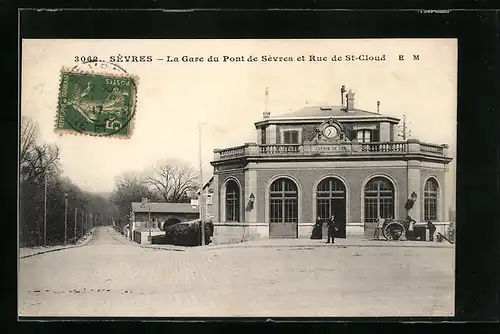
[
  {"x": 331, "y": 229},
  {"x": 317, "y": 232},
  {"x": 380, "y": 225}
]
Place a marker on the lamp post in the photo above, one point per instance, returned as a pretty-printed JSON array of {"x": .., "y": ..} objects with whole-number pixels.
[
  {"x": 74, "y": 231},
  {"x": 83, "y": 215},
  {"x": 65, "y": 217},
  {"x": 45, "y": 214},
  {"x": 410, "y": 202},
  {"x": 144, "y": 201}
]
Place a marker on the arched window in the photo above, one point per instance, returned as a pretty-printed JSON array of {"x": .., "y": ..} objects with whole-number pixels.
[
  {"x": 431, "y": 191},
  {"x": 232, "y": 201},
  {"x": 329, "y": 194},
  {"x": 283, "y": 201},
  {"x": 379, "y": 199}
]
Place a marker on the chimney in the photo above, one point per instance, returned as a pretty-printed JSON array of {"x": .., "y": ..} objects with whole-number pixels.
[
  {"x": 378, "y": 107},
  {"x": 266, "y": 114},
  {"x": 350, "y": 100},
  {"x": 342, "y": 91}
]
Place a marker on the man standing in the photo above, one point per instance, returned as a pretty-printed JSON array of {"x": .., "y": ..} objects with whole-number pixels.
[
  {"x": 331, "y": 230},
  {"x": 410, "y": 230},
  {"x": 432, "y": 230},
  {"x": 380, "y": 225},
  {"x": 451, "y": 231}
]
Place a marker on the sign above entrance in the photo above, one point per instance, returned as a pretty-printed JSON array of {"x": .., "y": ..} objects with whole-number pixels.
[{"x": 332, "y": 148}]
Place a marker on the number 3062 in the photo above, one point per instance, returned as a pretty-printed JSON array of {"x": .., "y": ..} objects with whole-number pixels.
[{"x": 85, "y": 59}]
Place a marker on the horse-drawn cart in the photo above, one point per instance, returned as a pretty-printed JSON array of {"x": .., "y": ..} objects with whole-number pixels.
[{"x": 395, "y": 229}]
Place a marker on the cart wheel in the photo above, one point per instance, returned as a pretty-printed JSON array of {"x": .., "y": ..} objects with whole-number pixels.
[{"x": 394, "y": 231}]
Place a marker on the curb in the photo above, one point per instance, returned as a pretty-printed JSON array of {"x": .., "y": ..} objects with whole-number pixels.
[
  {"x": 60, "y": 249},
  {"x": 320, "y": 246},
  {"x": 165, "y": 248}
]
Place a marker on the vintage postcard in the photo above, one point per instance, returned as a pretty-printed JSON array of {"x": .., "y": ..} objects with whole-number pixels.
[{"x": 238, "y": 178}]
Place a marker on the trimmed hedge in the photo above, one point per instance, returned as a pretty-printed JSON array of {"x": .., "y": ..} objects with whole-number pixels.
[{"x": 185, "y": 234}]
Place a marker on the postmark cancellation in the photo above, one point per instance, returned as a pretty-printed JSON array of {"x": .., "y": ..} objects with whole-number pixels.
[{"x": 96, "y": 103}]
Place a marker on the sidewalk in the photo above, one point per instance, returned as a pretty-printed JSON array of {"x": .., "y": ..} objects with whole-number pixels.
[
  {"x": 348, "y": 242},
  {"x": 25, "y": 252},
  {"x": 124, "y": 238},
  {"x": 352, "y": 241}
]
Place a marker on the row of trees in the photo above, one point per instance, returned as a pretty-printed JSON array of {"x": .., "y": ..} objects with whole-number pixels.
[
  {"x": 168, "y": 181},
  {"x": 47, "y": 196}
]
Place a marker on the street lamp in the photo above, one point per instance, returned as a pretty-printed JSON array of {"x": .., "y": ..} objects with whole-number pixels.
[
  {"x": 413, "y": 196},
  {"x": 409, "y": 203},
  {"x": 45, "y": 213},
  {"x": 144, "y": 201},
  {"x": 74, "y": 230},
  {"x": 200, "y": 198}
]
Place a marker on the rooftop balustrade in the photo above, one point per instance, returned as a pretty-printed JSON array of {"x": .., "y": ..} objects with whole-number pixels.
[{"x": 411, "y": 146}]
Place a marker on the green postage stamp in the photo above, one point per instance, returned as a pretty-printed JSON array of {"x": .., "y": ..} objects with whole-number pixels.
[{"x": 96, "y": 104}]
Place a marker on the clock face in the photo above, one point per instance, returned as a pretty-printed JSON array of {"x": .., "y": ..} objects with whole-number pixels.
[{"x": 330, "y": 131}]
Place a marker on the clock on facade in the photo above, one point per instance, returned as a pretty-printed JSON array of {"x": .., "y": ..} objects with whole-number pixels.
[{"x": 330, "y": 132}]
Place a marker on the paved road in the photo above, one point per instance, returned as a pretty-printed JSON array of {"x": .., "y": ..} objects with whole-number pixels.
[{"x": 114, "y": 277}]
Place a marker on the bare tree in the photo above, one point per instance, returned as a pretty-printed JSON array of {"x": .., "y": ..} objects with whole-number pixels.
[
  {"x": 130, "y": 187},
  {"x": 29, "y": 133},
  {"x": 172, "y": 180},
  {"x": 35, "y": 160},
  {"x": 130, "y": 180}
]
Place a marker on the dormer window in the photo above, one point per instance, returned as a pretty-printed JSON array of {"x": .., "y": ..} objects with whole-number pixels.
[
  {"x": 263, "y": 136},
  {"x": 291, "y": 136},
  {"x": 364, "y": 136}
]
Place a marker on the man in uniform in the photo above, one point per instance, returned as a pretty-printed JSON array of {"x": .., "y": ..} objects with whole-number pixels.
[{"x": 331, "y": 229}]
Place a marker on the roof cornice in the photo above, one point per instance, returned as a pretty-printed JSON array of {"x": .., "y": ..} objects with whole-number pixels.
[{"x": 315, "y": 119}]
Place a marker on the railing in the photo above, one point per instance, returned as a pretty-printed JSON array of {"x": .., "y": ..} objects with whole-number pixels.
[
  {"x": 411, "y": 146},
  {"x": 383, "y": 147},
  {"x": 232, "y": 151},
  {"x": 274, "y": 149},
  {"x": 429, "y": 148}
]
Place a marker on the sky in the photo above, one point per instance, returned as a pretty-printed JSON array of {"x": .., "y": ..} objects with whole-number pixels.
[{"x": 228, "y": 97}]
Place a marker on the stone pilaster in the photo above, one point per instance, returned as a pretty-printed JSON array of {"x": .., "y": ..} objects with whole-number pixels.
[
  {"x": 271, "y": 134},
  {"x": 385, "y": 131},
  {"x": 250, "y": 188},
  {"x": 216, "y": 198},
  {"x": 414, "y": 185},
  {"x": 443, "y": 215},
  {"x": 258, "y": 133}
]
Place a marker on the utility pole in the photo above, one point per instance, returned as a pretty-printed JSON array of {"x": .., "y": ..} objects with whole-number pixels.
[
  {"x": 149, "y": 217},
  {"x": 74, "y": 232},
  {"x": 65, "y": 217},
  {"x": 200, "y": 198},
  {"x": 405, "y": 133},
  {"x": 45, "y": 214},
  {"x": 83, "y": 215},
  {"x": 37, "y": 232}
]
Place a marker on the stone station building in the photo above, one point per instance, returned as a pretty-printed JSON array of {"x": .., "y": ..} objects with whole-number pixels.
[{"x": 324, "y": 160}]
